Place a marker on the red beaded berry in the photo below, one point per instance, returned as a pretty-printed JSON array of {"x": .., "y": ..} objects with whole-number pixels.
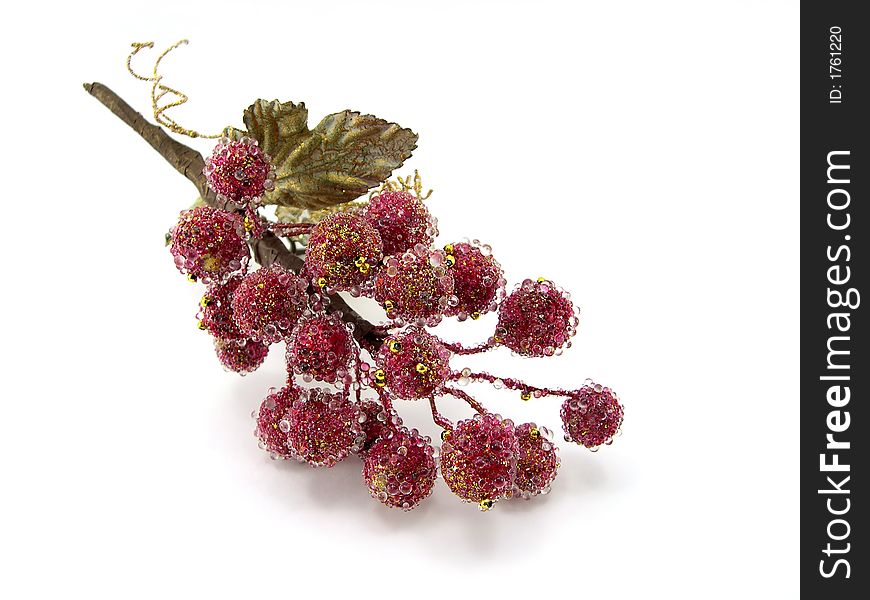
[
  {"x": 478, "y": 280},
  {"x": 323, "y": 427},
  {"x": 538, "y": 462},
  {"x": 239, "y": 171},
  {"x": 208, "y": 244},
  {"x": 536, "y": 319},
  {"x": 321, "y": 347},
  {"x": 400, "y": 469},
  {"x": 216, "y": 311},
  {"x": 342, "y": 250},
  {"x": 268, "y": 302},
  {"x": 402, "y": 220},
  {"x": 241, "y": 356},
  {"x": 592, "y": 416},
  {"x": 414, "y": 364},
  {"x": 375, "y": 422},
  {"x": 272, "y": 422},
  {"x": 415, "y": 287},
  {"x": 479, "y": 459}
]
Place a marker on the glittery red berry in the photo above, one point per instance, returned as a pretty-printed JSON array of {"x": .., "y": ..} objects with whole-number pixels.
[
  {"x": 323, "y": 427},
  {"x": 478, "y": 280},
  {"x": 399, "y": 470},
  {"x": 241, "y": 356},
  {"x": 216, "y": 311},
  {"x": 272, "y": 422},
  {"x": 342, "y": 250},
  {"x": 479, "y": 459},
  {"x": 415, "y": 364},
  {"x": 268, "y": 302},
  {"x": 592, "y": 416},
  {"x": 536, "y": 319},
  {"x": 239, "y": 171},
  {"x": 375, "y": 422},
  {"x": 402, "y": 220},
  {"x": 321, "y": 347},
  {"x": 538, "y": 460},
  {"x": 208, "y": 244},
  {"x": 415, "y": 287}
]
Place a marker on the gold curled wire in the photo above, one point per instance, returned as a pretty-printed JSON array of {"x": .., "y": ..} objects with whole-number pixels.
[{"x": 159, "y": 91}]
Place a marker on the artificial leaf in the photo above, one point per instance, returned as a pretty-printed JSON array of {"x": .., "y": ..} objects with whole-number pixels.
[{"x": 339, "y": 160}]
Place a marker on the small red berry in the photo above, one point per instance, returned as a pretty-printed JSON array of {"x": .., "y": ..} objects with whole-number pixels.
[
  {"x": 478, "y": 280},
  {"x": 321, "y": 347},
  {"x": 239, "y": 171},
  {"x": 415, "y": 364},
  {"x": 241, "y": 356},
  {"x": 208, "y": 244},
  {"x": 415, "y": 287},
  {"x": 399, "y": 470},
  {"x": 592, "y": 416},
  {"x": 536, "y": 319},
  {"x": 216, "y": 311},
  {"x": 342, "y": 251},
  {"x": 538, "y": 460},
  {"x": 402, "y": 220},
  {"x": 323, "y": 427},
  {"x": 273, "y": 424},
  {"x": 479, "y": 459},
  {"x": 268, "y": 303}
]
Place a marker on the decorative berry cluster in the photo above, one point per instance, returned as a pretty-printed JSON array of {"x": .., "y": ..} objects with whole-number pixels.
[{"x": 386, "y": 251}]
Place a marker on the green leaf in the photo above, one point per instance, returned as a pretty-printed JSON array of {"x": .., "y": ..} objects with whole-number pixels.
[{"x": 338, "y": 161}]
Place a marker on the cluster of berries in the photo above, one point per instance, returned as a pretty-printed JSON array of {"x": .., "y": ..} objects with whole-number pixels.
[{"x": 384, "y": 251}]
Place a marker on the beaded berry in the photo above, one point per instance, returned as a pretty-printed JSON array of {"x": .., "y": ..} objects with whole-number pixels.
[
  {"x": 479, "y": 459},
  {"x": 321, "y": 347},
  {"x": 241, "y": 356},
  {"x": 537, "y": 463},
  {"x": 239, "y": 171},
  {"x": 414, "y": 364},
  {"x": 478, "y": 280},
  {"x": 268, "y": 302},
  {"x": 272, "y": 422},
  {"x": 216, "y": 311},
  {"x": 323, "y": 427},
  {"x": 342, "y": 250},
  {"x": 415, "y": 287},
  {"x": 208, "y": 244},
  {"x": 536, "y": 319},
  {"x": 399, "y": 470},
  {"x": 402, "y": 220},
  {"x": 592, "y": 415}
]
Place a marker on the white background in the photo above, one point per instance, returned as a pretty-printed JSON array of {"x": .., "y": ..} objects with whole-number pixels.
[{"x": 644, "y": 155}]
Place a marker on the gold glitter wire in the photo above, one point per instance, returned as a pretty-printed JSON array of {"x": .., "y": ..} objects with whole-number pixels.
[{"x": 158, "y": 91}]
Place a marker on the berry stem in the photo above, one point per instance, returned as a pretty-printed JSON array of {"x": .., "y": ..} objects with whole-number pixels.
[
  {"x": 513, "y": 384},
  {"x": 440, "y": 420},
  {"x": 457, "y": 348},
  {"x": 477, "y": 406}
]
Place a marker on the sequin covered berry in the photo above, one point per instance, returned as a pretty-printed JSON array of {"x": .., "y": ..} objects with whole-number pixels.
[
  {"x": 342, "y": 250},
  {"x": 273, "y": 423},
  {"x": 414, "y": 363},
  {"x": 216, "y": 311},
  {"x": 592, "y": 415},
  {"x": 239, "y": 171},
  {"x": 415, "y": 287},
  {"x": 538, "y": 460},
  {"x": 241, "y": 356},
  {"x": 402, "y": 220},
  {"x": 478, "y": 280},
  {"x": 323, "y": 427},
  {"x": 399, "y": 470},
  {"x": 479, "y": 459},
  {"x": 536, "y": 319},
  {"x": 208, "y": 244},
  {"x": 321, "y": 347},
  {"x": 268, "y": 303}
]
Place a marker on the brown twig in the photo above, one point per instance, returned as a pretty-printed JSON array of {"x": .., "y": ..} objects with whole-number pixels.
[{"x": 268, "y": 248}]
